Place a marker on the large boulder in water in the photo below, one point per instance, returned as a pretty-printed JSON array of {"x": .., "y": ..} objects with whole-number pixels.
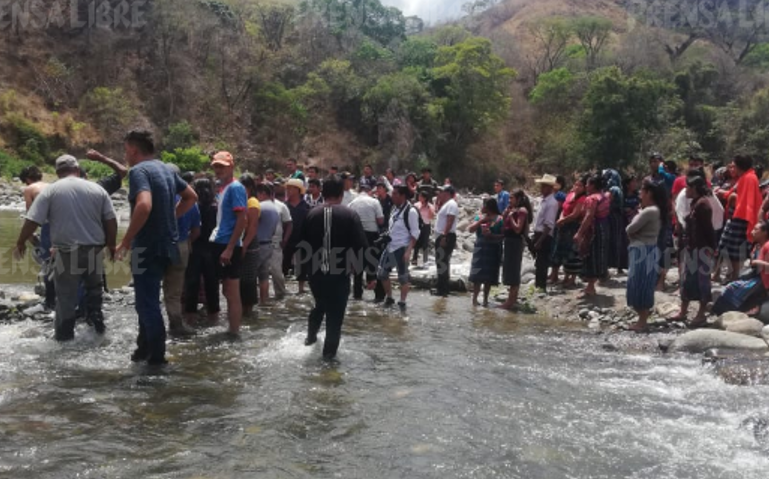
[
  {"x": 705, "y": 339},
  {"x": 739, "y": 323}
]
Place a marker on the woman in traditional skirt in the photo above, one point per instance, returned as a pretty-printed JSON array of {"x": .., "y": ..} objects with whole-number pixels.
[
  {"x": 734, "y": 241},
  {"x": 565, "y": 252},
  {"x": 643, "y": 254},
  {"x": 612, "y": 182},
  {"x": 723, "y": 184},
  {"x": 517, "y": 218},
  {"x": 560, "y": 196},
  {"x": 697, "y": 257},
  {"x": 750, "y": 290},
  {"x": 249, "y": 279},
  {"x": 487, "y": 256},
  {"x": 592, "y": 237}
]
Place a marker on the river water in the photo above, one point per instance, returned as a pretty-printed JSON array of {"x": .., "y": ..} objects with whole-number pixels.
[{"x": 449, "y": 392}]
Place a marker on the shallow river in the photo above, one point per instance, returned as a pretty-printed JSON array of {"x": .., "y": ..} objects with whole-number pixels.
[{"x": 448, "y": 393}]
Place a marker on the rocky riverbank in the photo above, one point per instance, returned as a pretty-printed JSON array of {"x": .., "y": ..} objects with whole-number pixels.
[{"x": 11, "y": 197}]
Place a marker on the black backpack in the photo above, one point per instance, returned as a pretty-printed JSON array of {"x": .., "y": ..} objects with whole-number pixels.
[{"x": 405, "y": 216}]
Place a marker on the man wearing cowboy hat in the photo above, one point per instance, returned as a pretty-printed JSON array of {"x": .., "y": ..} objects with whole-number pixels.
[
  {"x": 543, "y": 229},
  {"x": 298, "y": 208}
]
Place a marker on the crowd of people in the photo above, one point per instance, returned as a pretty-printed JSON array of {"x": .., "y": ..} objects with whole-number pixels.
[
  {"x": 194, "y": 236},
  {"x": 642, "y": 225},
  {"x": 198, "y": 237}
]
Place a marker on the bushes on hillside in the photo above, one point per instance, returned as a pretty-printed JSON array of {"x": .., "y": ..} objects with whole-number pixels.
[
  {"x": 27, "y": 140},
  {"x": 10, "y": 166},
  {"x": 187, "y": 159}
]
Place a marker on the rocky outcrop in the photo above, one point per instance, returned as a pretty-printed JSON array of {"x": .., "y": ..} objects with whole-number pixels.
[{"x": 703, "y": 340}]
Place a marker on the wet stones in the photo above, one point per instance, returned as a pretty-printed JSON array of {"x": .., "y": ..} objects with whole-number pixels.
[{"x": 702, "y": 340}]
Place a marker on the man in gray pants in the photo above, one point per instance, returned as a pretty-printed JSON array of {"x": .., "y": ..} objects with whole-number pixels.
[{"x": 82, "y": 222}]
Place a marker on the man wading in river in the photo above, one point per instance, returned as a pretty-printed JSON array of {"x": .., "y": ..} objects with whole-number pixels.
[
  {"x": 82, "y": 221},
  {"x": 331, "y": 234},
  {"x": 33, "y": 178},
  {"x": 153, "y": 237}
]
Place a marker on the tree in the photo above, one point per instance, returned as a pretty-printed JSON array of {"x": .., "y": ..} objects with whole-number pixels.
[
  {"x": 553, "y": 88},
  {"x": 619, "y": 113},
  {"x": 593, "y": 34},
  {"x": 739, "y": 27},
  {"x": 273, "y": 22},
  {"x": 472, "y": 90},
  {"x": 552, "y": 36}
]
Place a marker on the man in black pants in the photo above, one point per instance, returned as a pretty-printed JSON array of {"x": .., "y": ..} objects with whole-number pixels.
[
  {"x": 331, "y": 234},
  {"x": 446, "y": 226},
  {"x": 543, "y": 229}
]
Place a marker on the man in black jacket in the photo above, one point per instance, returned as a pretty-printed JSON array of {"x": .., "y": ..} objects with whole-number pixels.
[{"x": 332, "y": 234}]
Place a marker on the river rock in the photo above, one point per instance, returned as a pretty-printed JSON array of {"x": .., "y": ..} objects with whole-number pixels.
[
  {"x": 469, "y": 245},
  {"x": 28, "y": 298},
  {"x": 702, "y": 340},
  {"x": 765, "y": 333},
  {"x": 39, "y": 308},
  {"x": 463, "y": 225},
  {"x": 666, "y": 310},
  {"x": 746, "y": 325}
]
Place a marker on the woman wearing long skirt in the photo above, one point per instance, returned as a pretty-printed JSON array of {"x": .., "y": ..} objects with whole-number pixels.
[
  {"x": 697, "y": 259},
  {"x": 565, "y": 253},
  {"x": 593, "y": 235},
  {"x": 487, "y": 256},
  {"x": 613, "y": 186},
  {"x": 643, "y": 254},
  {"x": 517, "y": 219}
]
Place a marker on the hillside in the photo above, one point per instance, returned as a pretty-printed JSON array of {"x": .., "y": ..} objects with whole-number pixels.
[{"x": 513, "y": 88}]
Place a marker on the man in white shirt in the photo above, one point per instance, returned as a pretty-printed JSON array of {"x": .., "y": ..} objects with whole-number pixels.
[
  {"x": 404, "y": 232},
  {"x": 446, "y": 227},
  {"x": 544, "y": 226},
  {"x": 349, "y": 194},
  {"x": 372, "y": 218},
  {"x": 279, "y": 240}
]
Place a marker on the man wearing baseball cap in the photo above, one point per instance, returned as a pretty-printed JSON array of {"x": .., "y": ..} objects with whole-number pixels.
[
  {"x": 226, "y": 238},
  {"x": 82, "y": 222}
]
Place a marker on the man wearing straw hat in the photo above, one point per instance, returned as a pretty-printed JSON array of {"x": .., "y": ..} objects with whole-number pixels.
[{"x": 542, "y": 243}]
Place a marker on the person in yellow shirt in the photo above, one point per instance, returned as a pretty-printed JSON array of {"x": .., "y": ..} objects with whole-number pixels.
[{"x": 248, "y": 281}]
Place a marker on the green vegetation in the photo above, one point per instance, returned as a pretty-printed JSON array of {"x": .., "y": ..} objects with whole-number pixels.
[
  {"x": 502, "y": 91},
  {"x": 27, "y": 140},
  {"x": 95, "y": 170},
  {"x": 187, "y": 159},
  {"x": 10, "y": 166}
]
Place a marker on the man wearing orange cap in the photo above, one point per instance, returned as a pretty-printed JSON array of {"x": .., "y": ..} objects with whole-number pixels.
[{"x": 230, "y": 225}]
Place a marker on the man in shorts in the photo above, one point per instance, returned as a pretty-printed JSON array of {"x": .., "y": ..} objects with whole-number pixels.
[
  {"x": 226, "y": 238},
  {"x": 403, "y": 233}
]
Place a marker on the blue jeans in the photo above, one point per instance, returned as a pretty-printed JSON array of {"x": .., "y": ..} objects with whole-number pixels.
[{"x": 151, "y": 342}]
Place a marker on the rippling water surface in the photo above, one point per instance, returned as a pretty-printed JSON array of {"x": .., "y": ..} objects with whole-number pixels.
[{"x": 448, "y": 393}]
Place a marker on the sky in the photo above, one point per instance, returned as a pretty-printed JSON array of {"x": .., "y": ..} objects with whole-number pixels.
[{"x": 429, "y": 10}]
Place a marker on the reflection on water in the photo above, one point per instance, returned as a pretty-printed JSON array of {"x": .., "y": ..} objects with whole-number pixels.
[
  {"x": 26, "y": 271},
  {"x": 453, "y": 392}
]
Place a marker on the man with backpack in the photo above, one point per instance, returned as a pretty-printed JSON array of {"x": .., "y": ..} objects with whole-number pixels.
[{"x": 401, "y": 239}]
